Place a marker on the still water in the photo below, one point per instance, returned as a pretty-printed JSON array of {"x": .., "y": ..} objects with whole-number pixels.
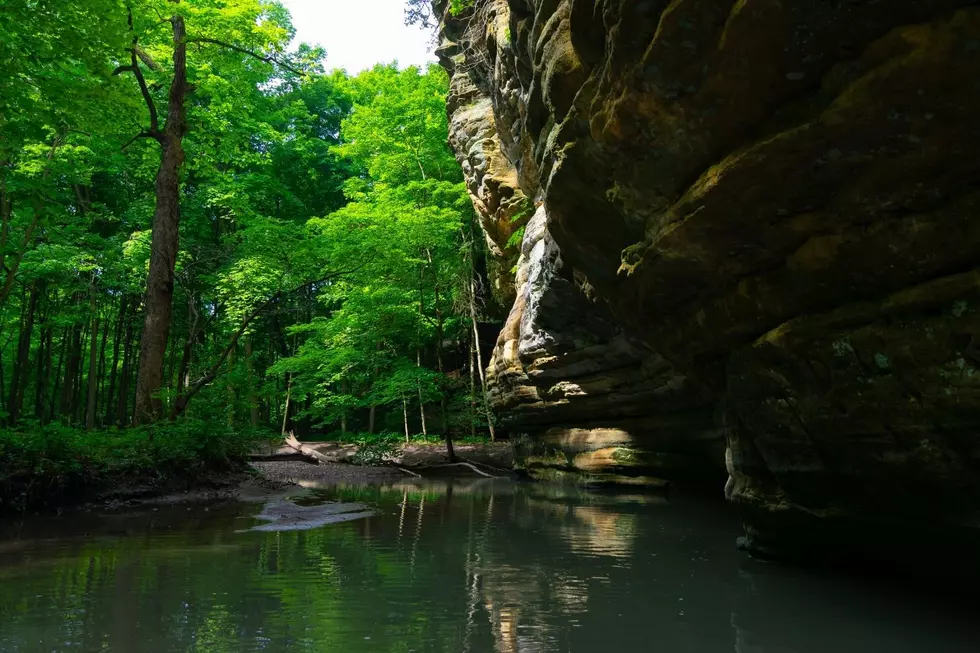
[{"x": 469, "y": 568}]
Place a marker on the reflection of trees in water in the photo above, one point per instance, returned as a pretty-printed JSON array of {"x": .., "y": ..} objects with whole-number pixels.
[{"x": 472, "y": 569}]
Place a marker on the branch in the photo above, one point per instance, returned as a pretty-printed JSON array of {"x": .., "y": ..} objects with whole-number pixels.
[
  {"x": 142, "y": 134},
  {"x": 255, "y": 55},
  {"x": 181, "y": 403},
  {"x": 145, "y": 58},
  {"x": 135, "y": 53}
]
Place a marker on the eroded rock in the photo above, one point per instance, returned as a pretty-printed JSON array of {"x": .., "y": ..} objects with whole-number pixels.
[{"x": 752, "y": 219}]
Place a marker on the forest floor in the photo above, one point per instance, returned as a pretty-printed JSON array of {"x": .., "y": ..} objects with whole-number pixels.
[
  {"x": 286, "y": 465},
  {"x": 275, "y": 470}
]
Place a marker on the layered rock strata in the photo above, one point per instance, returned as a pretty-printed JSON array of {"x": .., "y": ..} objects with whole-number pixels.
[{"x": 755, "y": 218}]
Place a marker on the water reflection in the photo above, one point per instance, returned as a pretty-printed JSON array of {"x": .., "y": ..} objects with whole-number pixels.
[{"x": 476, "y": 567}]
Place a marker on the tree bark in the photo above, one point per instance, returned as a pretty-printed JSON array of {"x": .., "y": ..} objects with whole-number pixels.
[
  {"x": 476, "y": 337},
  {"x": 73, "y": 363},
  {"x": 114, "y": 372},
  {"x": 164, "y": 239},
  {"x": 405, "y": 417},
  {"x": 253, "y": 400},
  {"x": 122, "y": 406},
  {"x": 93, "y": 377},
  {"x": 43, "y": 375},
  {"x": 20, "y": 375},
  {"x": 440, "y": 334},
  {"x": 230, "y": 387},
  {"x": 100, "y": 390}
]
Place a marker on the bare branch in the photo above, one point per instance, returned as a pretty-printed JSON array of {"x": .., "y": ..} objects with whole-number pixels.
[
  {"x": 142, "y": 134},
  {"x": 212, "y": 373},
  {"x": 270, "y": 60},
  {"x": 135, "y": 54},
  {"x": 146, "y": 59}
]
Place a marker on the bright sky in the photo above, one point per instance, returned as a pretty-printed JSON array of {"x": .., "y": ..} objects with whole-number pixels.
[{"x": 360, "y": 33}]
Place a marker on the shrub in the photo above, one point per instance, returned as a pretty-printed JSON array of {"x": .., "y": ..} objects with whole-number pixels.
[{"x": 42, "y": 463}]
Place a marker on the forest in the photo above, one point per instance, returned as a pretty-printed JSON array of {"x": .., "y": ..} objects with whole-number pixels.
[{"x": 208, "y": 239}]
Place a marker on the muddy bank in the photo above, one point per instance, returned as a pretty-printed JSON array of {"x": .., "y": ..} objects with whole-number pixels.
[
  {"x": 276, "y": 470},
  {"x": 498, "y": 455}
]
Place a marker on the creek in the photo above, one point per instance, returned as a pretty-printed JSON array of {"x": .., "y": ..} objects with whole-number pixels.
[{"x": 465, "y": 567}]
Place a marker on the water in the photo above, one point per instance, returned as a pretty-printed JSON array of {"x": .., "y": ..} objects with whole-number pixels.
[{"x": 469, "y": 568}]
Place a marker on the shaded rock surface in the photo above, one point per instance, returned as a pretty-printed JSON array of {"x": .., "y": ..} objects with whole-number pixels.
[{"x": 750, "y": 236}]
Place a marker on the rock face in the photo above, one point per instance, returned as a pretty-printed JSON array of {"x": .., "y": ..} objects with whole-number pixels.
[{"x": 745, "y": 221}]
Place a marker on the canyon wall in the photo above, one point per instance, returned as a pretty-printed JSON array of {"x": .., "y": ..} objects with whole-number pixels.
[{"x": 742, "y": 236}]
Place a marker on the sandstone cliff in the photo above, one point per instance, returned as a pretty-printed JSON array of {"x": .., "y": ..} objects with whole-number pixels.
[{"x": 746, "y": 232}]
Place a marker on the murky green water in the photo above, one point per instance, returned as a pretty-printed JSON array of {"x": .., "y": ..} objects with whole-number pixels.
[{"x": 475, "y": 568}]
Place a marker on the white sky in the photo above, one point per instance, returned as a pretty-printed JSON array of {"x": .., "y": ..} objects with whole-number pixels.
[{"x": 359, "y": 33}]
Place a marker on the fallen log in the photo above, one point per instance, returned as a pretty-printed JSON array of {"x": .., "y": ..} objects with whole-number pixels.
[{"x": 308, "y": 452}]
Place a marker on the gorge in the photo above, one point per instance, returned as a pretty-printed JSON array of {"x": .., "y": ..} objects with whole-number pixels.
[{"x": 738, "y": 240}]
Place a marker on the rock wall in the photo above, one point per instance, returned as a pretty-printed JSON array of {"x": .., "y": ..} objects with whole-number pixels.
[{"x": 753, "y": 220}]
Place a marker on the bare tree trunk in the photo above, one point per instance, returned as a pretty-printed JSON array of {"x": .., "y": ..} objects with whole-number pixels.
[
  {"x": 345, "y": 390},
  {"x": 165, "y": 238},
  {"x": 473, "y": 362},
  {"x": 76, "y": 395},
  {"x": 57, "y": 374},
  {"x": 405, "y": 416},
  {"x": 372, "y": 412},
  {"x": 230, "y": 386},
  {"x": 285, "y": 412},
  {"x": 440, "y": 334},
  {"x": 93, "y": 377},
  {"x": 20, "y": 374},
  {"x": 43, "y": 376},
  {"x": 476, "y": 336},
  {"x": 122, "y": 413},
  {"x": 418, "y": 363},
  {"x": 253, "y": 400},
  {"x": 100, "y": 391},
  {"x": 114, "y": 372},
  {"x": 68, "y": 386}
]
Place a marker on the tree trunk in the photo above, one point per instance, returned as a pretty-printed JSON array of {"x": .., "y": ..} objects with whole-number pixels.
[
  {"x": 253, "y": 400},
  {"x": 472, "y": 386},
  {"x": 405, "y": 417},
  {"x": 164, "y": 239},
  {"x": 476, "y": 336},
  {"x": 285, "y": 411},
  {"x": 100, "y": 391},
  {"x": 93, "y": 377},
  {"x": 344, "y": 390},
  {"x": 57, "y": 374},
  {"x": 73, "y": 361},
  {"x": 76, "y": 395},
  {"x": 230, "y": 385},
  {"x": 440, "y": 334},
  {"x": 418, "y": 363},
  {"x": 43, "y": 376},
  {"x": 114, "y": 372},
  {"x": 122, "y": 412},
  {"x": 21, "y": 369}
]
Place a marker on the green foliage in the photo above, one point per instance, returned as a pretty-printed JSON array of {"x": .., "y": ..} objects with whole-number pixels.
[
  {"x": 323, "y": 270},
  {"x": 373, "y": 450},
  {"x": 40, "y": 463},
  {"x": 457, "y": 7}
]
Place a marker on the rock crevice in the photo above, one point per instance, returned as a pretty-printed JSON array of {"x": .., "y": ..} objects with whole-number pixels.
[{"x": 736, "y": 224}]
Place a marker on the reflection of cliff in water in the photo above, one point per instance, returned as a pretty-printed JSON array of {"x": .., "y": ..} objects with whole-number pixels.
[{"x": 478, "y": 567}]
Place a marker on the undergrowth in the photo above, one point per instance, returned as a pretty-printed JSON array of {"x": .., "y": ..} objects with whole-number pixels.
[
  {"x": 399, "y": 438},
  {"x": 55, "y": 464}
]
